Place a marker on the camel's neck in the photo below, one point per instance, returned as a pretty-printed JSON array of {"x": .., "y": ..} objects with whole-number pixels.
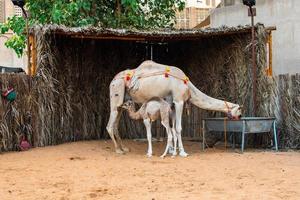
[
  {"x": 203, "y": 101},
  {"x": 133, "y": 114}
]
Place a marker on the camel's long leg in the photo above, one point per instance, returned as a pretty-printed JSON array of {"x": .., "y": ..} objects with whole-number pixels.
[
  {"x": 165, "y": 120},
  {"x": 112, "y": 128},
  {"x": 178, "y": 112},
  {"x": 147, "y": 124},
  {"x": 117, "y": 92},
  {"x": 174, "y": 133},
  {"x": 169, "y": 132},
  {"x": 116, "y": 132}
]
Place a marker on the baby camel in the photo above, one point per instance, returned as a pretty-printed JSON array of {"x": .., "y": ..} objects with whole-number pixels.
[{"x": 150, "y": 111}]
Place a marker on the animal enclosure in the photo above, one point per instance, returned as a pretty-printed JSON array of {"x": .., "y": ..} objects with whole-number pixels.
[{"x": 69, "y": 94}]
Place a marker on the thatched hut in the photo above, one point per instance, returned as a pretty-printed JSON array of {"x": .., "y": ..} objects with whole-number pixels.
[{"x": 73, "y": 67}]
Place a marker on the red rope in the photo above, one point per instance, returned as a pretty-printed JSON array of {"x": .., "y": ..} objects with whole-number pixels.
[{"x": 128, "y": 76}]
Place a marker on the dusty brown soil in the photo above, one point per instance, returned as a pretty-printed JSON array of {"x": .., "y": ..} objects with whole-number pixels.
[{"x": 91, "y": 170}]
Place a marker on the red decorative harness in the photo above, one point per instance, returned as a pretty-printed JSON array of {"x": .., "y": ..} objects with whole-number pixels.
[{"x": 130, "y": 73}]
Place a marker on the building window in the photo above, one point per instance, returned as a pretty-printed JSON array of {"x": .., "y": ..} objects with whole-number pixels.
[
  {"x": 213, "y": 3},
  {"x": 228, "y": 2},
  {"x": 187, "y": 22},
  {"x": 202, "y": 14},
  {"x": 18, "y": 11},
  {"x": 183, "y": 19},
  {"x": 2, "y": 14},
  {"x": 208, "y": 2}
]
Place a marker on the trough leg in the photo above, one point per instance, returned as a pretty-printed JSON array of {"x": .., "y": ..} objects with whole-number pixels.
[
  {"x": 243, "y": 136},
  {"x": 275, "y": 135},
  {"x": 233, "y": 140},
  {"x": 203, "y": 135}
]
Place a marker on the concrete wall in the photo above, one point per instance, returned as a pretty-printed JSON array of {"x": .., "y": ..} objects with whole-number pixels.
[
  {"x": 8, "y": 58},
  {"x": 201, "y": 3},
  {"x": 284, "y": 14}
]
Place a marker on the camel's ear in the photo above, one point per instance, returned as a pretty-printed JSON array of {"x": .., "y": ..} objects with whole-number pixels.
[{"x": 240, "y": 107}]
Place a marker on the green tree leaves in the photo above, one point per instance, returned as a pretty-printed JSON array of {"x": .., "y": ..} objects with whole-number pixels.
[
  {"x": 108, "y": 13},
  {"x": 18, "y": 40},
  {"x": 17, "y": 43},
  {"x": 132, "y": 14}
]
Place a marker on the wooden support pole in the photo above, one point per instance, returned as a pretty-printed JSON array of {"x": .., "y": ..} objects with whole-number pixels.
[
  {"x": 254, "y": 67},
  {"x": 28, "y": 44},
  {"x": 270, "y": 67},
  {"x": 33, "y": 56}
]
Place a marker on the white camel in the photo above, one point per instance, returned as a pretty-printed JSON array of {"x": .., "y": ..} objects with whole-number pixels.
[
  {"x": 149, "y": 112},
  {"x": 150, "y": 80}
]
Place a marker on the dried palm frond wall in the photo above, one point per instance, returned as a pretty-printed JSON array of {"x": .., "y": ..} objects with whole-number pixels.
[
  {"x": 68, "y": 98},
  {"x": 14, "y": 116}
]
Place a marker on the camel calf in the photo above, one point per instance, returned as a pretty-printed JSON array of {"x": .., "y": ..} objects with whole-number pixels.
[{"x": 150, "y": 111}]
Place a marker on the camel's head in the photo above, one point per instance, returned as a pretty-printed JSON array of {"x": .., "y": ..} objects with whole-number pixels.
[
  {"x": 235, "y": 112},
  {"x": 128, "y": 105}
]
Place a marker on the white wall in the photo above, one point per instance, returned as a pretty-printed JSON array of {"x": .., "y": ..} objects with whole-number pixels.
[
  {"x": 8, "y": 58},
  {"x": 284, "y": 14}
]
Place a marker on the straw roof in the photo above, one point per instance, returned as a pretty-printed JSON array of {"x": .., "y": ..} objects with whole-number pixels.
[{"x": 125, "y": 34}]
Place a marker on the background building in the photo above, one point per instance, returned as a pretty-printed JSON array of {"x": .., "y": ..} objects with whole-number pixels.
[
  {"x": 284, "y": 14},
  {"x": 8, "y": 57},
  {"x": 194, "y": 13}
]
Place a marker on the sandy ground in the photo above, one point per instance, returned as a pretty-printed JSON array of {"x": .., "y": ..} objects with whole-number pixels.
[{"x": 91, "y": 170}]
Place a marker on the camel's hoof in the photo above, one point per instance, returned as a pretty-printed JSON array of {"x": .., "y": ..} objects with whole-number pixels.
[
  {"x": 149, "y": 155},
  {"x": 162, "y": 156},
  {"x": 119, "y": 151},
  {"x": 171, "y": 150},
  {"x": 183, "y": 154},
  {"x": 125, "y": 149}
]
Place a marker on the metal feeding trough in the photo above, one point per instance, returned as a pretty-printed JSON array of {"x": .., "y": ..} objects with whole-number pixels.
[{"x": 244, "y": 126}]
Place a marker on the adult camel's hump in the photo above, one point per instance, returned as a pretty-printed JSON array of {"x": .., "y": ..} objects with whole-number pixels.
[{"x": 149, "y": 66}]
